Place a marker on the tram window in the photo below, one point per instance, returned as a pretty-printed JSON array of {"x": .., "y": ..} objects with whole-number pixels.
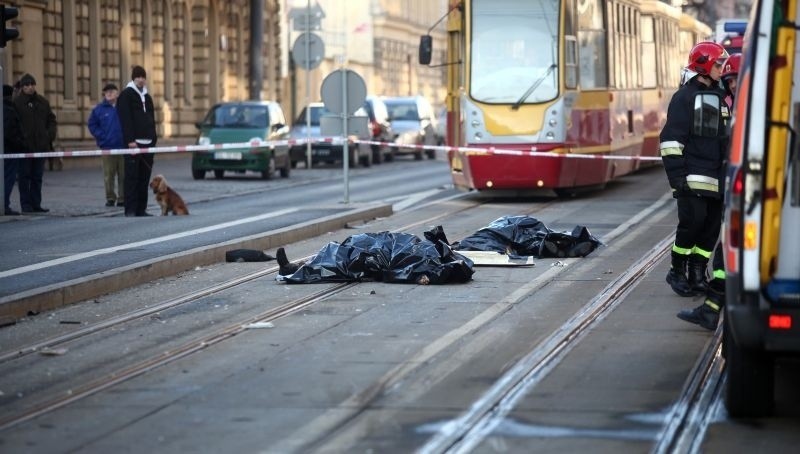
[
  {"x": 649, "y": 54},
  {"x": 571, "y": 51},
  {"x": 593, "y": 54}
]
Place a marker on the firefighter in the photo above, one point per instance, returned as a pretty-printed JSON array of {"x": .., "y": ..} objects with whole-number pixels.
[
  {"x": 694, "y": 167},
  {"x": 707, "y": 314}
]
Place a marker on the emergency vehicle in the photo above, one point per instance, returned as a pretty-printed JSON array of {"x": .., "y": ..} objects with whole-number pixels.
[
  {"x": 762, "y": 216},
  {"x": 730, "y": 33}
]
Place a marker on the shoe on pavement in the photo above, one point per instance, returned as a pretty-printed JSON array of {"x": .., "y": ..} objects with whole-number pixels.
[
  {"x": 143, "y": 214},
  {"x": 703, "y": 315},
  {"x": 110, "y": 203},
  {"x": 10, "y": 212},
  {"x": 41, "y": 210},
  {"x": 120, "y": 204}
]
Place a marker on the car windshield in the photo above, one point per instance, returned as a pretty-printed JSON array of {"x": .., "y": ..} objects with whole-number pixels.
[
  {"x": 237, "y": 116},
  {"x": 316, "y": 113},
  {"x": 402, "y": 110}
]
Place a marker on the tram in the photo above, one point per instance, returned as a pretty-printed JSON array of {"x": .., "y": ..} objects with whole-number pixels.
[{"x": 564, "y": 77}]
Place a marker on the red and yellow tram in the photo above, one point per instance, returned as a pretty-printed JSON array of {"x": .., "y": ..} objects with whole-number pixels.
[{"x": 560, "y": 76}]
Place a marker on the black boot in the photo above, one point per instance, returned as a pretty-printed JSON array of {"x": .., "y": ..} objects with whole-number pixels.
[
  {"x": 285, "y": 267},
  {"x": 698, "y": 277},
  {"x": 705, "y": 315},
  {"x": 676, "y": 277}
]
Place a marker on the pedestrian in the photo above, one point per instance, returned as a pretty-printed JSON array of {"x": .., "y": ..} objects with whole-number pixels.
[
  {"x": 39, "y": 130},
  {"x": 12, "y": 143},
  {"x": 694, "y": 167},
  {"x": 707, "y": 313},
  {"x": 137, "y": 118},
  {"x": 105, "y": 128}
]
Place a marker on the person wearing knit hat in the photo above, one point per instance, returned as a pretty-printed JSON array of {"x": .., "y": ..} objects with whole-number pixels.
[
  {"x": 39, "y": 129},
  {"x": 136, "y": 113},
  {"x": 104, "y": 126}
]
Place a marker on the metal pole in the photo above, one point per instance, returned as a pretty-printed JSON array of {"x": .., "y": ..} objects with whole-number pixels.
[
  {"x": 308, "y": 84},
  {"x": 2, "y": 133},
  {"x": 345, "y": 147},
  {"x": 256, "y": 57}
]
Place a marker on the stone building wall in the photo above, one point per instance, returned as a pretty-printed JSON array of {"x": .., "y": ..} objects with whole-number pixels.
[{"x": 196, "y": 53}]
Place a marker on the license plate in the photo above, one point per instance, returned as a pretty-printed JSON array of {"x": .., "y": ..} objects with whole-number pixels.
[{"x": 228, "y": 155}]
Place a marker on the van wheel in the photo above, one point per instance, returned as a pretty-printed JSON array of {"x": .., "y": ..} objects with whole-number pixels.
[
  {"x": 431, "y": 154},
  {"x": 390, "y": 156},
  {"x": 418, "y": 155},
  {"x": 366, "y": 159},
  {"x": 219, "y": 174},
  {"x": 198, "y": 174},
  {"x": 751, "y": 380},
  {"x": 270, "y": 170}
]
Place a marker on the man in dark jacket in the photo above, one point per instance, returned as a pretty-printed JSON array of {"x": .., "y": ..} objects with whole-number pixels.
[
  {"x": 137, "y": 118},
  {"x": 12, "y": 143},
  {"x": 105, "y": 128},
  {"x": 694, "y": 166},
  {"x": 39, "y": 130}
]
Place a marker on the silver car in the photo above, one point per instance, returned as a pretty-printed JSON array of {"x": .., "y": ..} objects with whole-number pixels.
[
  {"x": 324, "y": 151},
  {"x": 414, "y": 123}
]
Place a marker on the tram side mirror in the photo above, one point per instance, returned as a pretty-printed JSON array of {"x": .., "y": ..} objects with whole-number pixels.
[
  {"x": 707, "y": 115},
  {"x": 425, "y": 49}
]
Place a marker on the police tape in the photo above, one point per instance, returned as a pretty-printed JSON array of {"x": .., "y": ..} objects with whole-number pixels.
[
  {"x": 256, "y": 144},
  {"x": 251, "y": 145},
  {"x": 532, "y": 152}
]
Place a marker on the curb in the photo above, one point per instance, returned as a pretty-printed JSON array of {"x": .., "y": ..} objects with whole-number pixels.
[{"x": 84, "y": 288}]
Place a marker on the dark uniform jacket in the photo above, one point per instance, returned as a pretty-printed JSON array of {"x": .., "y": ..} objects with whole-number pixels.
[
  {"x": 38, "y": 122},
  {"x": 137, "y": 117},
  {"x": 12, "y": 132},
  {"x": 694, "y": 164}
]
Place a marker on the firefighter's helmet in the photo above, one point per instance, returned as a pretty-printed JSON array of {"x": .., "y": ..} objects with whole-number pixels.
[
  {"x": 705, "y": 55},
  {"x": 730, "y": 69}
]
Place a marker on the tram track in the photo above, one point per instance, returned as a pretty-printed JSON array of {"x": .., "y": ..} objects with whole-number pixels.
[{"x": 232, "y": 329}]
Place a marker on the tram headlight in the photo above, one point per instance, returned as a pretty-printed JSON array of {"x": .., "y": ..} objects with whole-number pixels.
[
  {"x": 478, "y": 136},
  {"x": 550, "y": 135},
  {"x": 552, "y": 122},
  {"x": 475, "y": 123}
]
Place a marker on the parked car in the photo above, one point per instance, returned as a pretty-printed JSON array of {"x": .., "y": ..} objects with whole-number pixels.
[
  {"x": 232, "y": 122},
  {"x": 325, "y": 151},
  {"x": 380, "y": 129},
  {"x": 413, "y": 123}
]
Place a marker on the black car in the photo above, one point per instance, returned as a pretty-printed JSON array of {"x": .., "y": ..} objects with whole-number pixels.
[{"x": 380, "y": 129}]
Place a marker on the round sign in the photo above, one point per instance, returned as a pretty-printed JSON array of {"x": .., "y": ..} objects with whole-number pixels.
[
  {"x": 340, "y": 86},
  {"x": 315, "y": 47}
]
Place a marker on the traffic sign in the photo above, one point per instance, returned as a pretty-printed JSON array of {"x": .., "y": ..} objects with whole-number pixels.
[
  {"x": 340, "y": 86},
  {"x": 306, "y": 19},
  {"x": 308, "y": 51}
]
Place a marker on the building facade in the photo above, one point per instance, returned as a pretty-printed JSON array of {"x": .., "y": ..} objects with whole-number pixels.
[{"x": 197, "y": 53}]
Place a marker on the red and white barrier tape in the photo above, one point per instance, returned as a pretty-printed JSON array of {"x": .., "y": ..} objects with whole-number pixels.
[
  {"x": 259, "y": 144},
  {"x": 475, "y": 151},
  {"x": 253, "y": 144}
]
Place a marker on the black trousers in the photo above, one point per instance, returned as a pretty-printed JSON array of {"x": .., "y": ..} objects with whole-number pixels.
[
  {"x": 138, "y": 168},
  {"x": 31, "y": 171},
  {"x": 10, "y": 170},
  {"x": 699, "y": 221}
]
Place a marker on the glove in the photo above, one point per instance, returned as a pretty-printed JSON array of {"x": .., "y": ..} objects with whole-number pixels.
[{"x": 682, "y": 189}]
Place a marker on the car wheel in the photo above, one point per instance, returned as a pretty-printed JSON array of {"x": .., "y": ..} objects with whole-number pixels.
[
  {"x": 198, "y": 174},
  {"x": 286, "y": 169},
  {"x": 390, "y": 155},
  {"x": 749, "y": 392},
  {"x": 218, "y": 174},
  {"x": 377, "y": 154},
  {"x": 270, "y": 170},
  {"x": 418, "y": 155},
  {"x": 431, "y": 154},
  {"x": 366, "y": 158}
]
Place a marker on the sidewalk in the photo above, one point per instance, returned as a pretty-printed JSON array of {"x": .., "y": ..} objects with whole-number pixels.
[{"x": 78, "y": 190}]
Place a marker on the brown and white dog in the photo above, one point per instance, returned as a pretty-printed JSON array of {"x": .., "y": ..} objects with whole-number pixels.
[{"x": 167, "y": 198}]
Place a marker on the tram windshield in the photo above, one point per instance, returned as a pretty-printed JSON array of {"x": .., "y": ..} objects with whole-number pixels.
[{"x": 514, "y": 43}]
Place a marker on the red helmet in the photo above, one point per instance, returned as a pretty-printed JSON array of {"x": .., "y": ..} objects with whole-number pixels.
[
  {"x": 705, "y": 55},
  {"x": 731, "y": 66}
]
